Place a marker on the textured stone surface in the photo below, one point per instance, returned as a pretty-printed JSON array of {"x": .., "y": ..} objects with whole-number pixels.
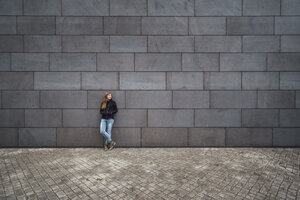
[
  {"x": 218, "y": 44},
  {"x": 30, "y": 61},
  {"x": 249, "y": 137},
  {"x": 157, "y": 62},
  {"x": 88, "y": 8},
  {"x": 183, "y": 173},
  {"x": 164, "y": 137},
  {"x": 79, "y": 25},
  {"x": 57, "y": 80},
  {"x": 200, "y": 66},
  {"x": 37, "y": 137},
  {"x": 185, "y": 80},
  {"x": 142, "y": 80},
  {"x": 170, "y": 8},
  {"x": 170, "y": 118},
  {"x": 218, "y": 7},
  {"x": 20, "y": 99},
  {"x": 148, "y": 99},
  {"x": 221, "y": 117},
  {"x": 165, "y": 25},
  {"x": 222, "y": 80}
]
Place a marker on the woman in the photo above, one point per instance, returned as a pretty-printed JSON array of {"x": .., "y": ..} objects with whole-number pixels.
[{"x": 108, "y": 109}]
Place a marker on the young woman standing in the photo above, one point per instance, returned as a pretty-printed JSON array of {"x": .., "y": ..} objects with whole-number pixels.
[{"x": 108, "y": 109}]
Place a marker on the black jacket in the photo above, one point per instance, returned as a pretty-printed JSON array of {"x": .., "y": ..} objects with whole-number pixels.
[{"x": 110, "y": 110}]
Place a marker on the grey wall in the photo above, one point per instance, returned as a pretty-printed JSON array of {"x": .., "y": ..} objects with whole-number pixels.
[{"x": 183, "y": 72}]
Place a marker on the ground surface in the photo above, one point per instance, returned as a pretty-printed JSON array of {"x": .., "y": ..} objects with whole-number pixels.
[{"x": 150, "y": 173}]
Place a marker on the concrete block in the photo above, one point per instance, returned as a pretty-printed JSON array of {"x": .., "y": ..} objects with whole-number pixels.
[
  {"x": 128, "y": 8},
  {"x": 85, "y": 43},
  {"x": 42, "y": 43},
  {"x": 161, "y": 137},
  {"x": 245, "y": 137},
  {"x": 170, "y": 118},
  {"x": 100, "y": 80},
  {"x": 260, "y": 117},
  {"x": 170, "y": 8},
  {"x": 157, "y": 62},
  {"x": 36, "y": 25},
  {"x": 276, "y": 99},
  {"x": 81, "y": 117},
  {"x": 13, "y": 43},
  {"x": 115, "y": 62},
  {"x": 218, "y": 7},
  {"x": 200, "y": 62},
  {"x": 289, "y": 117},
  {"x": 42, "y": 7},
  {"x": 128, "y": 43},
  {"x": 79, "y": 137},
  {"x": 127, "y": 137},
  {"x": 20, "y": 99},
  {"x": 190, "y": 99},
  {"x": 122, "y": 25},
  {"x": 290, "y": 7},
  {"x": 250, "y": 25},
  {"x": 43, "y": 118},
  {"x": 289, "y": 80},
  {"x": 37, "y": 137},
  {"x": 243, "y": 62},
  {"x": 5, "y": 62},
  {"x": 222, "y": 117},
  {"x": 8, "y": 24},
  {"x": 263, "y": 43},
  {"x": 9, "y": 137},
  {"x": 222, "y": 80},
  {"x": 142, "y": 80},
  {"x": 11, "y": 7},
  {"x": 290, "y": 43},
  {"x": 260, "y": 8},
  {"x": 30, "y": 62},
  {"x": 206, "y": 137},
  {"x": 73, "y": 62},
  {"x": 283, "y": 62},
  {"x": 218, "y": 43},
  {"x": 12, "y": 118},
  {"x": 287, "y": 25},
  {"x": 148, "y": 99},
  {"x": 207, "y": 25},
  {"x": 185, "y": 80},
  {"x": 170, "y": 44},
  {"x": 233, "y": 99},
  {"x": 95, "y": 98},
  {"x": 79, "y": 25},
  {"x": 63, "y": 99},
  {"x": 164, "y": 25},
  {"x": 88, "y": 8},
  {"x": 16, "y": 80},
  {"x": 260, "y": 80},
  {"x": 57, "y": 80},
  {"x": 288, "y": 137},
  {"x": 131, "y": 118}
]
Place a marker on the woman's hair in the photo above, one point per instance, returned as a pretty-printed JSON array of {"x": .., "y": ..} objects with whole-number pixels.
[{"x": 105, "y": 99}]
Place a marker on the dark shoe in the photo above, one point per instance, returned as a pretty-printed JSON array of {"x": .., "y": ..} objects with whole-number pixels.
[
  {"x": 111, "y": 145},
  {"x": 105, "y": 147}
]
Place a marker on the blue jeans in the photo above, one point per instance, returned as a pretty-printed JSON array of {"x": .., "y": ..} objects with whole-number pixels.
[{"x": 106, "y": 123}]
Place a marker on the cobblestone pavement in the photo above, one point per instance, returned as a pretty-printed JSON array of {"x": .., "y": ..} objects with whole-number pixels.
[{"x": 150, "y": 173}]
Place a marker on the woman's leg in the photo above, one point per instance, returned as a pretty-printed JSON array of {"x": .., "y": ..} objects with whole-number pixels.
[
  {"x": 103, "y": 131},
  {"x": 110, "y": 123}
]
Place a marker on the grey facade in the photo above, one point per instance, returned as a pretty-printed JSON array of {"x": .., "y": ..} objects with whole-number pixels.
[{"x": 184, "y": 73}]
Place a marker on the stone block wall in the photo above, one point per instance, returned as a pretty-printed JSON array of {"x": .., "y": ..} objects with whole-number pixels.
[{"x": 184, "y": 73}]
